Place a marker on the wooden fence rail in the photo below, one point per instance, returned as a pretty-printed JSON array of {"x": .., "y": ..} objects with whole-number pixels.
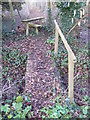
[{"x": 71, "y": 59}]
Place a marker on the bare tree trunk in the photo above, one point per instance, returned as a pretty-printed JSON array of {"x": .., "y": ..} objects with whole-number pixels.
[
  {"x": 87, "y": 2},
  {"x": 11, "y": 9},
  {"x": 0, "y": 53},
  {"x": 19, "y": 13},
  {"x": 49, "y": 14}
]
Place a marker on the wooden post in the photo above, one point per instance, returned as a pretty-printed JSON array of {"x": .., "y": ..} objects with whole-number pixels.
[
  {"x": 70, "y": 77},
  {"x": 56, "y": 40},
  {"x": 36, "y": 30},
  {"x": 80, "y": 13},
  {"x": 27, "y": 29},
  {"x": 40, "y": 22},
  {"x": 83, "y": 12},
  {"x": 74, "y": 12}
]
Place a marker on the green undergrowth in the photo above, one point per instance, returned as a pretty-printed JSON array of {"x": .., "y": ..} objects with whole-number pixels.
[
  {"x": 13, "y": 60},
  {"x": 62, "y": 108},
  {"x": 13, "y": 36},
  {"x": 81, "y": 53},
  {"x": 13, "y": 67},
  {"x": 18, "y": 108},
  {"x": 17, "y": 36},
  {"x": 78, "y": 110}
]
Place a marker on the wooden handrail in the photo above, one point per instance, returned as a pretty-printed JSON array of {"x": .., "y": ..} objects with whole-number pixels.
[
  {"x": 71, "y": 59},
  {"x": 64, "y": 41}
]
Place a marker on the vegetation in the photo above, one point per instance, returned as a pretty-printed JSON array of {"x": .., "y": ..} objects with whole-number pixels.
[
  {"x": 16, "y": 5},
  {"x": 13, "y": 69},
  {"x": 63, "y": 108},
  {"x": 17, "y": 101},
  {"x": 18, "y": 107},
  {"x": 59, "y": 110}
]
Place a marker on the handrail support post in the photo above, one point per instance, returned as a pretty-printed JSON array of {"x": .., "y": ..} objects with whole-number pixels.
[
  {"x": 56, "y": 41},
  {"x": 70, "y": 77},
  {"x": 27, "y": 29}
]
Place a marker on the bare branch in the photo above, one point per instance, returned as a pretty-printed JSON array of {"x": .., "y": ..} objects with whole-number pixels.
[{"x": 76, "y": 25}]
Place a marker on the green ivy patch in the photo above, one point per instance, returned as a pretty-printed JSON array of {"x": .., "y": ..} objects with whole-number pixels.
[{"x": 16, "y": 109}]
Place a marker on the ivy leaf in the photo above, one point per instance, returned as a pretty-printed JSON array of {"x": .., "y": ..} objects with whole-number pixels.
[
  {"x": 5, "y": 108},
  {"x": 58, "y": 113},
  {"x": 17, "y": 106},
  {"x": 26, "y": 110},
  {"x": 85, "y": 110},
  {"x": 10, "y": 116},
  {"x": 17, "y": 116},
  {"x": 50, "y": 112}
]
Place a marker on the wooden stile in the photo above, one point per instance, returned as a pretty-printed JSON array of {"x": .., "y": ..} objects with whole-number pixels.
[{"x": 28, "y": 23}]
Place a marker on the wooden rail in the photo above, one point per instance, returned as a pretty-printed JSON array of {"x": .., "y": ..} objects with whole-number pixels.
[{"x": 71, "y": 59}]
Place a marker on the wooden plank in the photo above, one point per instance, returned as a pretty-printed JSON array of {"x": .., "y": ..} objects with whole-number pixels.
[
  {"x": 56, "y": 40},
  {"x": 33, "y": 19},
  {"x": 65, "y": 42},
  {"x": 70, "y": 77},
  {"x": 34, "y": 25}
]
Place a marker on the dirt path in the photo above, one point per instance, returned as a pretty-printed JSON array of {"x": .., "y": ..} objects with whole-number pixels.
[{"x": 40, "y": 74}]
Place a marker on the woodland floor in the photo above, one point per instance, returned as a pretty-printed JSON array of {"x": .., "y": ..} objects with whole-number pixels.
[
  {"x": 42, "y": 81},
  {"x": 40, "y": 70}
]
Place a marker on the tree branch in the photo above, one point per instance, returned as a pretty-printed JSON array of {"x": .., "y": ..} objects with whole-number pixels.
[{"x": 76, "y": 25}]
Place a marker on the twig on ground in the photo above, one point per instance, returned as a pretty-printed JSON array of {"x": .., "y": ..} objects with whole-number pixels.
[
  {"x": 76, "y": 75},
  {"x": 79, "y": 99},
  {"x": 5, "y": 89},
  {"x": 5, "y": 85}
]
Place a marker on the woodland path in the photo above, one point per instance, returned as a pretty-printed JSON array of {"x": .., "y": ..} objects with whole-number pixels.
[{"x": 40, "y": 74}]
